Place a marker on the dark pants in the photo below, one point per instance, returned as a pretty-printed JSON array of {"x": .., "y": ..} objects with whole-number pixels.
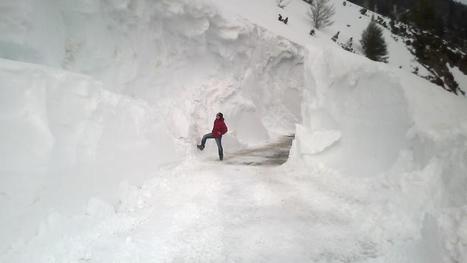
[{"x": 218, "y": 141}]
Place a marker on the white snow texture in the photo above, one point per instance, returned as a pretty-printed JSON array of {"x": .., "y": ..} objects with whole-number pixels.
[{"x": 102, "y": 102}]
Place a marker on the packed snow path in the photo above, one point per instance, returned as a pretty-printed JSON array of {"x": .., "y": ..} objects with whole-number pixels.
[
  {"x": 205, "y": 212},
  {"x": 271, "y": 154}
]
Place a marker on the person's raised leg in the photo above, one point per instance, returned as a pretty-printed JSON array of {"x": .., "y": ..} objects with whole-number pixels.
[{"x": 203, "y": 140}]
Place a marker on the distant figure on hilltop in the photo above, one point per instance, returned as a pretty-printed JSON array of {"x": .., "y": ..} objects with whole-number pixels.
[
  {"x": 218, "y": 130},
  {"x": 280, "y": 17}
]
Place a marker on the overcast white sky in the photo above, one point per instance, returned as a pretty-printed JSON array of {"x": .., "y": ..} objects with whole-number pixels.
[{"x": 462, "y": 1}]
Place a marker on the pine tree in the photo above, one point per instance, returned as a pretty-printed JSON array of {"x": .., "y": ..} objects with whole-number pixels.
[
  {"x": 321, "y": 12},
  {"x": 424, "y": 15},
  {"x": 373, "y": 44}
]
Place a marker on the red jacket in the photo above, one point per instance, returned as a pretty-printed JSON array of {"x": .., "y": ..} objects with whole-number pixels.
[{"x": 219, "y": 128}]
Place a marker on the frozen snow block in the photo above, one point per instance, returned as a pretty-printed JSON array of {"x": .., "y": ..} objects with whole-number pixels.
[{"x": 317, "y": 141}]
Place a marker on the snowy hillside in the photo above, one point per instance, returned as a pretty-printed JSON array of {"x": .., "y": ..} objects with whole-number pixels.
[
  {"x": 347, "y": 20},
  {"x": 102, "y": 103}
]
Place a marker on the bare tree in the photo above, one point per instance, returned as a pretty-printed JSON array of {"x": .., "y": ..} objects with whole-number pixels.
[{"x": 321, "y": 12}]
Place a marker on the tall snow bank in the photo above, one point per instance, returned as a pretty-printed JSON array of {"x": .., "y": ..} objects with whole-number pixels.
[
  {"x": 181, "y": 56},
  {"x": 64, "y": 139},
  {"x": 364, "y": 103},
  {"x": 186, "y": 59},
  {"x": 32, "y": 31},
  {"x": 403, "y": 136}
]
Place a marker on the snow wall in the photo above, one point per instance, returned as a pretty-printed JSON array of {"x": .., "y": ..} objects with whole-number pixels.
[
  {"x": 402, "y": 138},
  {"x": 95, "y": 93}
]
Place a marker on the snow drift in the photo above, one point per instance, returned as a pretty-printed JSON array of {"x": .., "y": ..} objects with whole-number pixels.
[
  {"x": 404, "y": 136},
  {"x": 65, "y": 138}
]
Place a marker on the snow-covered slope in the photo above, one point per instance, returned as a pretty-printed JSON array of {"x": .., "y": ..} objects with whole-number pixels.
[
  {"x": 376, "y": 173},
  {"x": 348, "y": 21}
]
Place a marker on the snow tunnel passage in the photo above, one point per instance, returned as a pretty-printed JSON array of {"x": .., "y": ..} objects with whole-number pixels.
[
  {"x": 187, "y": 61},
  {"x": 253, "y": 77}
]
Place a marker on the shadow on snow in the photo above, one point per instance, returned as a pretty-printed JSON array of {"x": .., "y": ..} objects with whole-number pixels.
[{"x": 273, "y": 154}]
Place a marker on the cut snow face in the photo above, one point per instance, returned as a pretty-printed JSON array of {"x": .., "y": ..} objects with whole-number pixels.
[
  {"x": 64, "y": 139},
  {"x": 363, "y": 104},
  {"x": 184, "y": 59}
]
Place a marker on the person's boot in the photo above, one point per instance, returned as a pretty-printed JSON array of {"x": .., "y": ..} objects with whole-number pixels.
[
  {"x": 221, "y": 157},
  {"x": 200, "y": 147}
]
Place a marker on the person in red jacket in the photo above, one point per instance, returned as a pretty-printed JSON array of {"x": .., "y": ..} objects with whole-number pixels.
[{"x": 218, "y": 130}]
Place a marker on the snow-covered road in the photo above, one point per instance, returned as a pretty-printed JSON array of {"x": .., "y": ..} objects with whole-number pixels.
[
  {"x": 210, "y": 212},
  {"x": 242, "y": 210}
]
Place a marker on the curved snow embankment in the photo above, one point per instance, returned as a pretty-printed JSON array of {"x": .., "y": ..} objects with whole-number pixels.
[
  {"x": 151, "y": 76},
  {"x": 64, "y": 139},
  {"x": 181, "y": 56},
  {"x": 403, "y": 135}
]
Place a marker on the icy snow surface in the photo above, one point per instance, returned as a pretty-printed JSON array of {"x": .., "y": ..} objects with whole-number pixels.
[{"x": 102, "y": 103}]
